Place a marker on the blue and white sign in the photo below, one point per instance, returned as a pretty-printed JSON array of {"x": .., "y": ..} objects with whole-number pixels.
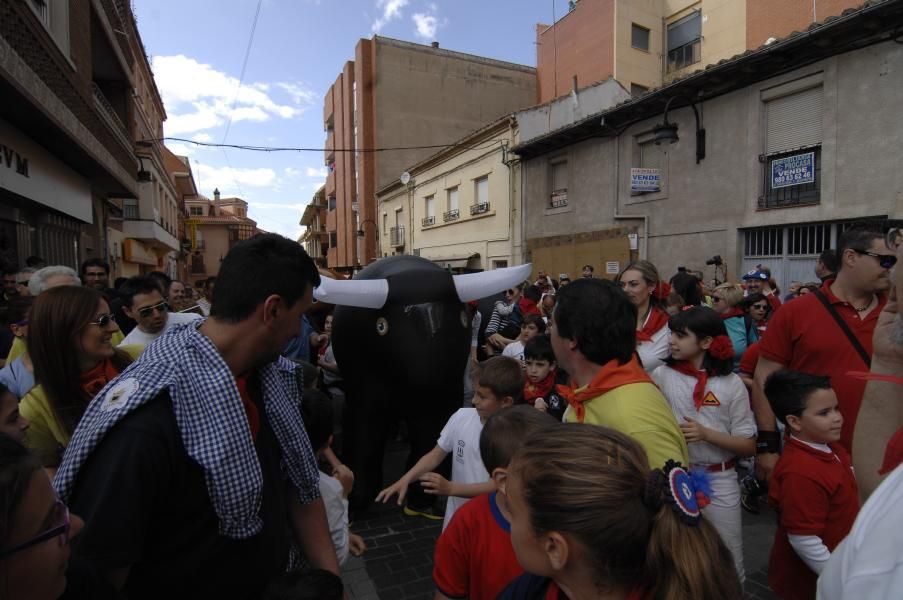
[
  {"x": 793, "y": 170},
  {"x": 645, "y": 180}
]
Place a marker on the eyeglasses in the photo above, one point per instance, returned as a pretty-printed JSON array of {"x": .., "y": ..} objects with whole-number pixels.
[
  {"x": 60, "y": 528},
  {"x": 885, "y": 261},
  {"x": 160, "y": 307},
  {"x": 103, "y": 320}
]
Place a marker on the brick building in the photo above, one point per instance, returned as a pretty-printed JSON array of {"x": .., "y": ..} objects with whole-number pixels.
[
  {"x": 398, "y": 94},
  {"x": 212, "y": 228},
  {"x": 67, "y": 75},
  {"x": 646, "y": 43}
]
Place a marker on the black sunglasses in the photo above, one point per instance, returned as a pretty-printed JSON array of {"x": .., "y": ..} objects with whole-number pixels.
[
  {"x": 60, "y": 529},
  {"x": 103, "y": 320},
  {"x": 147, "y": 310},
  {"x": 886, "y": 261}
]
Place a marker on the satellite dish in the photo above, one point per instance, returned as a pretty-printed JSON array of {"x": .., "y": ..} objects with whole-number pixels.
[{"x": 405, "y": 178}]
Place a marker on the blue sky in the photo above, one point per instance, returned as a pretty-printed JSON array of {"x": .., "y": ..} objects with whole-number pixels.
[{"x": 197, "y": 48}]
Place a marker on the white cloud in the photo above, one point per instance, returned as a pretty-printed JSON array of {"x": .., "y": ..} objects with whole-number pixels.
[
  {"x": 391, "y": 10},
  {"x": 229, "y": 180},
  {"x": 290, "y": 172},
  {"x": 322, "y": 172},
  {"x": 180, "y": 149},
  {"x": 198, "y": 97},
  {"x": 202, "y": 137},
  {"x": 426, "y": 25}
]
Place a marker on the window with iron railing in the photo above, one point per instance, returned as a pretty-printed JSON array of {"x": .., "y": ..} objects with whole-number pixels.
[
  {"x": 130, "y": 209},
  {"x": 451, "y": 215},
  {"x": 479, "y": 209},
  {"x": 396, "y": 236},
  {"x": 685, "y": 41},
  {"x": 428, "y": 221}
]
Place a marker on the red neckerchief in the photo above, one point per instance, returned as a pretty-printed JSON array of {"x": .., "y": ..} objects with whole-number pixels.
[
  {"x": 656, "y": 320},
  {"x": 701, "y": 379},
  {"x": 94, "y": 380},
  {"x": 541, "y": 389},
  {"x": 250, "y": 408},
  {"x": 734, "y": 312},
  {"x": 612, "y": 375},
  {"x": 528, "y": 307}
]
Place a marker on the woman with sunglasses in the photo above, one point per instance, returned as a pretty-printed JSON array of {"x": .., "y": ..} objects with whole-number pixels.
[
  {"x": 741, "y": 328},
  {"x": 18, "y": 374},
  {"x": 70, "y": 342},
  {"x": 758, "y": 308}
]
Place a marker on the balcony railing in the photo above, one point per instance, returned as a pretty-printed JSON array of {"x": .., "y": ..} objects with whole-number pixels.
[
  {"x": 111, "y": 116},
  {"x": 428, "y": 221},
  {"x": 396, "y": 236},
  {"x": 130, "y": 211},
  {"x": 479, "y": 209},
  {"x": 451, "y": 215}
]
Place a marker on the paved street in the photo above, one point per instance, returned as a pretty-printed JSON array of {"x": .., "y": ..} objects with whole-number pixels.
[{"x": 399, "y": 560}]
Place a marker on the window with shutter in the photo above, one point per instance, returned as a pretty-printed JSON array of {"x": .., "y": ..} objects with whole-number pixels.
[{"x": 793, "y": 130}]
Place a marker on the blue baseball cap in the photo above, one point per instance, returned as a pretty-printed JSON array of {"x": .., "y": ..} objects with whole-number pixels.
[{"x": 754, "y": 274}]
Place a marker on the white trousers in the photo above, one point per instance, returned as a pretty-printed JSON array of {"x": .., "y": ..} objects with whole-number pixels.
[{"x": 725, "y": 514}]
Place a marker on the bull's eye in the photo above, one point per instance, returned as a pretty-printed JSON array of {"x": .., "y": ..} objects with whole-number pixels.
[
  {"x": 464, "y": 318},
  {"x": 382, "y": 326}
]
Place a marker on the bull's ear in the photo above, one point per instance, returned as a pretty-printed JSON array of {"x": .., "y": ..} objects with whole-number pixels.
[
  {"x": 474, "y": 286},
  {"x": 361, "y": 293}
]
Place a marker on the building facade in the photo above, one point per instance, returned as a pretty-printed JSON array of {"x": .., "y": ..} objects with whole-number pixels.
[
  {"x": 799, "y": 141},
  {"x": 213, "y": 228},
  {"x": 646, "y": 43},
  {"x": 315, "y": 238},
  {"x": 147, "y": 238},
  {"x": 460, "y": 208},
  {"x": 412, "y": 98},
  {"x": 67, "y": 72}
]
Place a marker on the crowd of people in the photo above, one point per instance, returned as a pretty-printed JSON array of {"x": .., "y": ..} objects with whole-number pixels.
[{"x": 610, "y": 434}]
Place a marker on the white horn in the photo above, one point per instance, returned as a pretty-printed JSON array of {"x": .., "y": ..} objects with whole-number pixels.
[
  {"x": 362, "y": 293},
  {"x": 474, "y": 286}
]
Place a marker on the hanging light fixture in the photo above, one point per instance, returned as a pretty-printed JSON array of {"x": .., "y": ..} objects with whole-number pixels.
[{"x": 666, "y": 132}]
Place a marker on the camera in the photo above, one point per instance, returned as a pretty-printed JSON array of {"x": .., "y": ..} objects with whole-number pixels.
[{"x": 715, "y": 260}]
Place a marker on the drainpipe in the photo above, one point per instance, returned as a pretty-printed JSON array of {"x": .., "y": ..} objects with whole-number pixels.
[{"x": 644, "y": 252}]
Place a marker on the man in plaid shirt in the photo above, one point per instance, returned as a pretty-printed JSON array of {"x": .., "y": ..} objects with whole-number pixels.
[{"x": 192, "y": 469}]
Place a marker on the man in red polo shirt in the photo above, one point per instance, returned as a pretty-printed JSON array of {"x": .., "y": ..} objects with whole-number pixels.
[{"x": 804, "y": 336}]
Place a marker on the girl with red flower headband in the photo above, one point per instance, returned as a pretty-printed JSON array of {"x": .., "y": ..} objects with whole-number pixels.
[
  {"x": 641, "y": 283},
  {"x": 712, "y": 408}
]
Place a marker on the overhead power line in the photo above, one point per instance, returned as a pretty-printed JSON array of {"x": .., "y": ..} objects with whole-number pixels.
[{"x": 290, "y": 149}]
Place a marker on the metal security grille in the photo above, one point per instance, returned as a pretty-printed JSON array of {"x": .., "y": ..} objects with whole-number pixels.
[
  {"x": 794, "y": 195},
  {"x": 808, "y": 239},
  {"x": 766, "y": 241}
]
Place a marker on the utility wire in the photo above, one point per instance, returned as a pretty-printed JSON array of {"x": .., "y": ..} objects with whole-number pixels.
[
  {"x": 291, "y": 149},
  {"x": 244, "y": 66}
]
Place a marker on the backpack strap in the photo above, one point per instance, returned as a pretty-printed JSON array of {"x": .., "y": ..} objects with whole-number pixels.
[{"x": 845, "y": 328}]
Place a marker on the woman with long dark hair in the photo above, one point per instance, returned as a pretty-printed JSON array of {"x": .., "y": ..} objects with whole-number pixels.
[{"x": 70, "y": 342}]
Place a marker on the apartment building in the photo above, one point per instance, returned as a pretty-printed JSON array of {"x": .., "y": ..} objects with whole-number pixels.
[
  {"x": 315, "y": 238},
  {"x": 647, "y": 43},
  {"x": 213, "y": 227},
  {"x": 397, "y": 94},
  {"x": 67, "y": 74}
]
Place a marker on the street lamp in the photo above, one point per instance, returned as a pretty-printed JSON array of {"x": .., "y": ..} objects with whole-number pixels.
[
  {"x": 360, "y": 231},
  {"x": 666, "y": 133}
]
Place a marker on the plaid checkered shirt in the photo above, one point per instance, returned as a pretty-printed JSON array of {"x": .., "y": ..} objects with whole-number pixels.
[{"x": 211, "y": 419}]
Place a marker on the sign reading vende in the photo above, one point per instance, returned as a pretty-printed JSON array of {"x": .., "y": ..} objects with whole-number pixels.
[
  {"x": 645, "y": 180},
  {"x": 793, "y": 170}
]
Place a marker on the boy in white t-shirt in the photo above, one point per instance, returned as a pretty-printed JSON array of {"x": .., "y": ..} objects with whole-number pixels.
[
  {"x": 532, "y": 326},
  {"x": 317, "y": 413},
  {"x": 499, "y": 382}
]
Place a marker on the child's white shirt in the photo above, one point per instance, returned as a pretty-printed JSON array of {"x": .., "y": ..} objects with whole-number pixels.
[
  {"x": 725, "y": 408},
  {"x": 461, "y": 438},
  {"x": 336, "y": 514},
  {"x": 515, "y": 350}
]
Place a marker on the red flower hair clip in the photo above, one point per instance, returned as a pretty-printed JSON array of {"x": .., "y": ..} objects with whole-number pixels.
[{"x": 722, "y": 348}]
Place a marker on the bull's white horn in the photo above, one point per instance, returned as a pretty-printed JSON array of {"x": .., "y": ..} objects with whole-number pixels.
[
  {"x": 473, "y": 286},
  {"x": 362, "y": 293}
]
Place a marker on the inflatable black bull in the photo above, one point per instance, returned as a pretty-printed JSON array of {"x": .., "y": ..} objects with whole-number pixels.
[{"x": 401, "y": 338}]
